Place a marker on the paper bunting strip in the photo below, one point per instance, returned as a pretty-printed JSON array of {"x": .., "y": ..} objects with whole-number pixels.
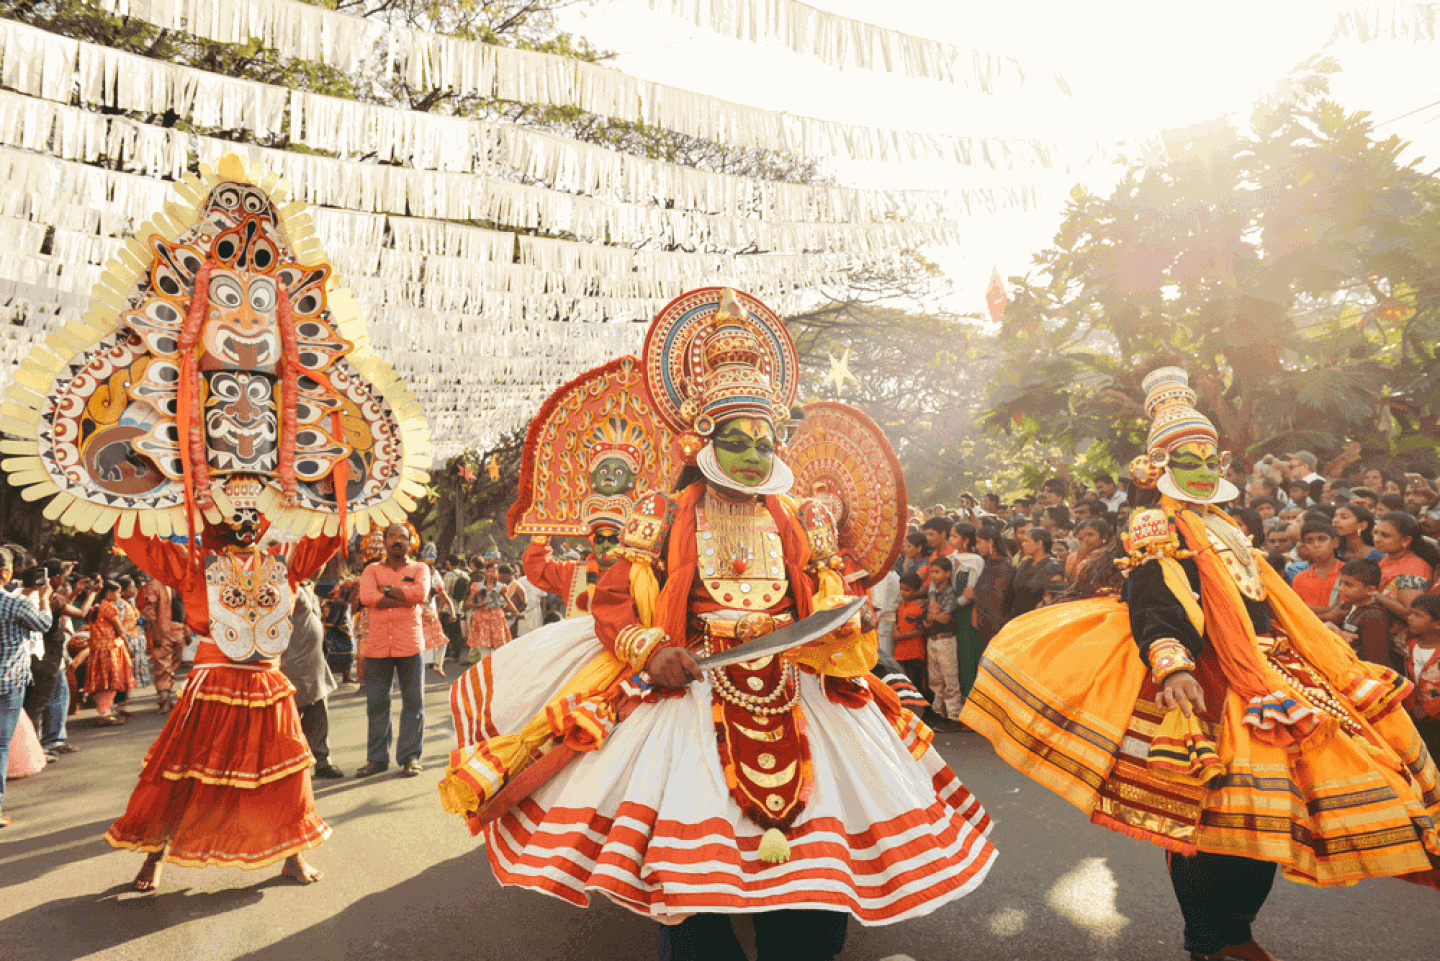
[
  {"x": 1416, "y": 22},
  {"x": 41, "y": 64},
  {"x": 78, "y": 134},
  {"x": 306, "y": 32},
  {"x": 843, "y": 42}
]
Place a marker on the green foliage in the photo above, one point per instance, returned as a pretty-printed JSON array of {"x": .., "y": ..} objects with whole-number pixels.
[{"x": 1291, "y": 268}]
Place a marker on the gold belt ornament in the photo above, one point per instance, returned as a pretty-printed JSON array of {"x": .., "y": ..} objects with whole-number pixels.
[{"x": 741, "y": 626}]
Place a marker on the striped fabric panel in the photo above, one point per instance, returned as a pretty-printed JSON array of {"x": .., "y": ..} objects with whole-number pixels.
[
  {"x": 908, "y": 694},
  {"x": 894, "y": 870}
]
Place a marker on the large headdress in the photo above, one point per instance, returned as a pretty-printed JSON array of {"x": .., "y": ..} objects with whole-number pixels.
[
  {"x": 1174, "y": 422},
  {"x": 717, "y": 353},
  {"x": 221, "y": 375},
  {"x": 842, "y": 459},
  {"x": 602, "y": 428}
]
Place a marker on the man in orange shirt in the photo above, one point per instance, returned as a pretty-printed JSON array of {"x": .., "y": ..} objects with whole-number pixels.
[{"x": 393, "y": 590}]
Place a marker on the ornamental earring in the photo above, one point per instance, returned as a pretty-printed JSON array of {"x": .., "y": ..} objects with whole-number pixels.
[
  {"x": 689, "y": 445},
  {"x": 1225, "y": 461},
  {"x": 1145, "y": 471}
]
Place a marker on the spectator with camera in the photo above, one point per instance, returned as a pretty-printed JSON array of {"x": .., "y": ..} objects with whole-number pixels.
[{"x": 24, "y": 619}]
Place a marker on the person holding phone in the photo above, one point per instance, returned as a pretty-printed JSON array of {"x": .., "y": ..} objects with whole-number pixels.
[{"x": 393, "y": 590}]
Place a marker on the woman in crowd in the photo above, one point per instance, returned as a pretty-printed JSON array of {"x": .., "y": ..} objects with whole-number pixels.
[
  {"x": 1035, "y": 570},
  {"x": 914, "y": 554},
  {"x": 1355, "y": 527},
  {"x": 968, "y": 567},
  {"x": 108, "y": 670},
  {"x": 488, "y": 608},
  {"x": 1095, "y": 560},
  {"x": 144, "y": 676},
  {"x": 1408, "y": 565},
  {"x": 993, "y": 599}
]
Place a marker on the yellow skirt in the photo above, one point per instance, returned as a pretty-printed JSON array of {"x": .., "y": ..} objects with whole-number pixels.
[{"x": 1064, "y": 697}]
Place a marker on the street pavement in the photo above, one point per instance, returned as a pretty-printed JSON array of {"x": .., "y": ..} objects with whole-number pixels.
[{"x": 404, "y": 880}]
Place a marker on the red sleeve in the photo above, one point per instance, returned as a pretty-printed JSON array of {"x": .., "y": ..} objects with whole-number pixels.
[
  {"x": 546, "y": 573},
  {"x": 612, "y": 605},
  {"x": 369, "y": 590},
  {"x": 310, "y": 555},
  {"x": 163, "y": 560},
  {"x": 416, "y": 591}
]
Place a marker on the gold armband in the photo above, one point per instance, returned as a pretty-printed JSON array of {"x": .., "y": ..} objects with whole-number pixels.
[
  {"x": 634, "y": 645},
  {"x": 1168, "y": 656}
]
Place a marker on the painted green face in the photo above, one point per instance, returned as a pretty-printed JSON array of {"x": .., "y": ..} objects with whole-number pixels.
[
  {"x": 605, "y": 539},
  {"x": 745, "y": 450},
  {"x": 612, "y": 476},
  {"x": 1195, "y": 467}
]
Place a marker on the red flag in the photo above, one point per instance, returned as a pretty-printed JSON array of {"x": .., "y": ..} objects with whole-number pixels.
[{"x": 996, "y": 297}]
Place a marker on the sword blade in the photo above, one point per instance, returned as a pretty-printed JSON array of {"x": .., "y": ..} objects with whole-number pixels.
[{"x": 815, "y": 626}]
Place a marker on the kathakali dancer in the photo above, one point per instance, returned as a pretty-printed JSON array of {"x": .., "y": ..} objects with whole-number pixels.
[
  {"x": 1207, "y": 710},
  {"x": 597, "y": 755},
  {"x": 595, "y": 442},
  {"x": 219, "y": 388}
]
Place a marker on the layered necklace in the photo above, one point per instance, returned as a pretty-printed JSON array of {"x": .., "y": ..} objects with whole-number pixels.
[{"x": 735, "y": 531}]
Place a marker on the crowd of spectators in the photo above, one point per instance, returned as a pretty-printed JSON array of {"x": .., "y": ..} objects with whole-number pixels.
[{"x": 1357, "y": 543}]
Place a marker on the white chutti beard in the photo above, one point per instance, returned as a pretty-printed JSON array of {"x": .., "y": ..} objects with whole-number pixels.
[
  {"x": 1224, "y": 491},
  {"x": 780, "y": 481}
]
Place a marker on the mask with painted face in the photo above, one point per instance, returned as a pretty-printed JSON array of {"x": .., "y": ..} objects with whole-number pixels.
[{"x": 745, "y": 450}]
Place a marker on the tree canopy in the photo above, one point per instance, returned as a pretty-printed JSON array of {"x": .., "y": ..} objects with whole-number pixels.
[{"x": 1289, "y": 266}]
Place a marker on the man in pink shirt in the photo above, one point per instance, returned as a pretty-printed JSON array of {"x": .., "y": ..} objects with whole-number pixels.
[{"x": 394, "y": 589}]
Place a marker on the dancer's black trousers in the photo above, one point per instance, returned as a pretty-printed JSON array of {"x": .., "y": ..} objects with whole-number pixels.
[
  {"x": 1219, "y": 896},
  {"x": 779, "y": 936}
]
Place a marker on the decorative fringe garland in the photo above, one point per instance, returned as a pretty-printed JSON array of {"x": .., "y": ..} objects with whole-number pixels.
[
  {"x": 843, "y": 42},
  {"x": 1416, "y": 22},
  {"x": 46, "y": 65},
  {"x": 72, "y": 133},
  {"x": 433, "y": 265},
  {"x": 469, "y": 67}
]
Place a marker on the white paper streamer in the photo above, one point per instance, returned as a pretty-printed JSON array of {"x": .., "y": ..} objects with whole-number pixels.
[
  {"x": 844, "y": 42},
  {"x": 76, "y": 134},
  {"x": 1416, "y": 22},
  {"x": 469, "y": 67}
]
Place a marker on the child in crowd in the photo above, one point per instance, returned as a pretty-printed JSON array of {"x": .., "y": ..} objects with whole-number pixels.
[
  {"x": 1055, "y": 588},
  {"x": 909, "y": 629},
  {"x": 941, "y": 656},
  {"x": 1367, "y": 625},
  {"x": 1423, "y": 668},
  {"x": 1319, "y": 584}
]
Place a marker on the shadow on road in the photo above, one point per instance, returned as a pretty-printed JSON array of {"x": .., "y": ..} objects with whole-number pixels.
[
  {"x": 34, "y": 857},
  {"x": 93, "y": 923},
  {"x": 455, "y": 909}
]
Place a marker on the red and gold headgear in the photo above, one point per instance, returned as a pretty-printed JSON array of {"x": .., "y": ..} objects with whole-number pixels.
[
  {"x": 1174, "y": 422},
  {"x": 714, "y": 354}
]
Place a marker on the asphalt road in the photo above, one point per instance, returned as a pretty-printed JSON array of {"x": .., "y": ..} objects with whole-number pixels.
[{"x": 404, "y": 880}]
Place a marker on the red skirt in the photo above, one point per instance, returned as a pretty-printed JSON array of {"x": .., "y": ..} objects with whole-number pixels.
[
  {"x": 108, "y": 667},
  {"x": 227, "y": 782}
]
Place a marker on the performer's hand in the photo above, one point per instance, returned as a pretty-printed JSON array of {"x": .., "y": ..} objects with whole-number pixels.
[
  {"x": 672, "y": 667},
  {"x": 868, "y": 620},
  {"x": 1183, "y": 691}
]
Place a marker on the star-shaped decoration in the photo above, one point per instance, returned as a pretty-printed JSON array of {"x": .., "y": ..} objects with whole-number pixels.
[{"x": 840, "y": 371}]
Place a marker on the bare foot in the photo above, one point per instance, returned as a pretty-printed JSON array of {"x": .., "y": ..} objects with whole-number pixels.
[
  {"x": 149, "y": 877},
  {"x": 296, "y": 867}
]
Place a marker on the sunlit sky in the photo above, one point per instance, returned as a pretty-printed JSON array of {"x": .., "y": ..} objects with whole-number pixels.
[{"x": 1135, "y": 69}]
